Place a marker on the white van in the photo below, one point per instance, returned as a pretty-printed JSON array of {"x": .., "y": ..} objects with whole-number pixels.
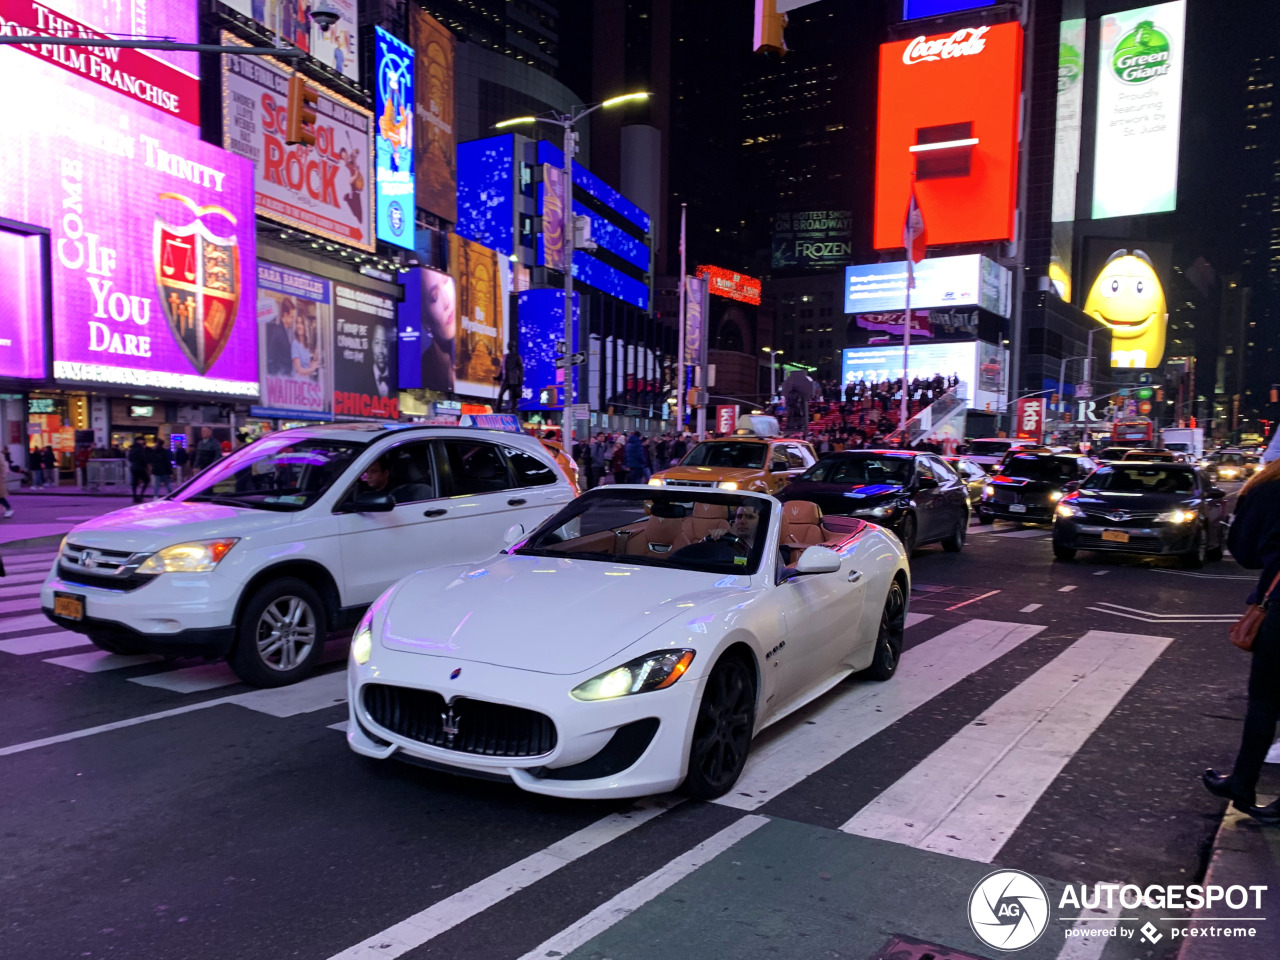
[{"x": 262, "y": 555}]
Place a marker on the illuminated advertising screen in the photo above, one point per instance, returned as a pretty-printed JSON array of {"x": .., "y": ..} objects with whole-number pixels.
[
  {"x": 941, "y": 282},
  {"x": 482, "y": 313},
  {"x": 948, "y": 114},
  {"x": 553, "y": 246},
  {"x": 812, "y": 239},
  {"x": 325, "y": 189},
  {"x": 731, "y": 284},
  {"x": 1126, "y": 296},
  {"x": 364, "y": 355},
  {"x": 541, "y": 318},
  {"x": 22, "y": 311},
  {"x": 295, "y": 344},
  {"x": 980, "y": 367},
  {"x": 486, "y": 193},
  {"x": 428, "y": 319},
  {"x": 1139, "y": 111},
  {"x": 152, "y": 236},
  {"x": 434, "y": 139},
  {"x": 393, "y": 140},
  {"x": 912, "y": 9},
  {"x": 338, "y": 46}
]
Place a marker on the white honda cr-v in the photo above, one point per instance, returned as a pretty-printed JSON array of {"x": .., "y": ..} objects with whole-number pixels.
[{"x": 261, "y": 556}]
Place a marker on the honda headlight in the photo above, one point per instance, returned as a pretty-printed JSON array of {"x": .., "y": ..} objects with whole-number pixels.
[
  {"x": 362, "y": 641},
  {"x": 653, "y": 671},
  {"x": 1069, "y": 510},
  {"x": 199, "y": 556},
  {"x": 1177, "y": 516}
]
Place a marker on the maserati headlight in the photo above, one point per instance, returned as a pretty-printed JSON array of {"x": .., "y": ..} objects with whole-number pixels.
[
  {"x": 727, "y": 485},
  {"x": 1177, "y": 516},
  {"x": 1069, "y": 510},
  {"x": 655, "y": 481},
  {"x": 653, "y": 671},
  {"x": 199, "y": 556},
  {"x": 362, "y": 642}
]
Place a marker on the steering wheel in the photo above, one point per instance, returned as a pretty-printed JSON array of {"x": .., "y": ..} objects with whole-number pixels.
[{"x": 727, "y": 537}]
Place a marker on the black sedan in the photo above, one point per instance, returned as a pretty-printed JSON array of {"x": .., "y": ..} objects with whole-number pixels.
[
  {"x": 1148, "y": 508},
  {"x": 1029, "y": 486},
  {"x": 916, "y": 495}
]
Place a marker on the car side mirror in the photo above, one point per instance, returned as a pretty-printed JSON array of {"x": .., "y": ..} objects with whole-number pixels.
[
  {"x": 817, "y": 559},
  {"x": 369, "y": 502},
  {"x": 514, "y": 533},
  {"x": 1216, "y": 493},
  {"x": 926, "y": 483}
]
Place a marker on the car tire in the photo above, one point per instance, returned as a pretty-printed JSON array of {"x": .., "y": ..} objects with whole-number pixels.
[
  {"x": 985, "y": 518},
  {"x": 1195, "y": 558},
  {"x": 893, "y": 625},
  {"x": 955, "y": 542},
  {"x": 906, "y": 532},
  {"x": 722, "y": 730},
  {"x": 280, "y": 634},
  {"x": 1065, "y": 554}
]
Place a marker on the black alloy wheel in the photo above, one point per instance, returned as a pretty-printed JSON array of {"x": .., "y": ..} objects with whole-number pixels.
[
  {"x": 893, "y": 627},
  {"x": 907, "y": 533},
  {"x": 1195, "y": 558},
  {"x": 1065, "y": 554},
  {"x": 722, "y": 731},
  {"x": 955, "y": 542},
  {"x": 985, "y": 518}
]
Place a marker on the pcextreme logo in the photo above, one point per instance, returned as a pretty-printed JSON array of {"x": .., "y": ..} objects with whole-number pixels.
[{"x": 1142, "y": 54}]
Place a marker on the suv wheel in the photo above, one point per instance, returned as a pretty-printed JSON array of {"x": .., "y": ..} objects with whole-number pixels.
[{"x": 280, "y": 635}]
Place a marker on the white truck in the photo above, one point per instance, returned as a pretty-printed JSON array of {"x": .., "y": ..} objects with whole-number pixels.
[{"x": 1187, "y": 442}]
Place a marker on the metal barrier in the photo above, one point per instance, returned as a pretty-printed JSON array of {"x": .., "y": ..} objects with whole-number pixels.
[{"x": 105, "y": 473}]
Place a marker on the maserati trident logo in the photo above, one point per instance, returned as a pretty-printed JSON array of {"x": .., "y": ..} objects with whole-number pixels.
[
  {"x": 1008, "y": 910},
  {"x": 450, "y": 720}
]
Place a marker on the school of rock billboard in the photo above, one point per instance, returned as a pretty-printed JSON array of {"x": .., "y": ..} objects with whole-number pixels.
[
  {"x": 325, "y": 189},
  {"x": 151, "y": 231}
]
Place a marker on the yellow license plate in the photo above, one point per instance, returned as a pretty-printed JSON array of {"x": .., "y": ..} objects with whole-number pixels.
[
  {"x": 1115, "y": 536},
  {"x": 68, "y": 605}
]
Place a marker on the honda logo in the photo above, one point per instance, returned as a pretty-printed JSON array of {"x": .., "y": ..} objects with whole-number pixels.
[{"x": 88, "y": 559}]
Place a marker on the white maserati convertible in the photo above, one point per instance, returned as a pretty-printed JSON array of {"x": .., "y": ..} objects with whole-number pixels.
[{"x": 635, "y": 642}]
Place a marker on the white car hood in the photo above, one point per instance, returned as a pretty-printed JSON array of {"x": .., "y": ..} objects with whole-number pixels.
[
  {"x": 543, "y": 614},
  {"x": 147, "y": 527}
]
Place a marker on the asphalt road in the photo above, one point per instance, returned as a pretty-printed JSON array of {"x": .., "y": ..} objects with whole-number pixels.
[{"x": 1048, "y": 717}]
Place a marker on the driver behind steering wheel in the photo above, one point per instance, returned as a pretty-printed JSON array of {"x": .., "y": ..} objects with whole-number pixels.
[{"x": 742, "y": 529}]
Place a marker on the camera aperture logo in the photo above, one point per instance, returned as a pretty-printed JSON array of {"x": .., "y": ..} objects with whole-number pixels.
[{"x": 1008, "y": 910}]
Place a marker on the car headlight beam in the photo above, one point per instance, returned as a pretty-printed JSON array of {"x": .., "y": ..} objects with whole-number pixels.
[
  {"x": 1177, "y": 515},
  {"x": 655, "y": 481},
  {"x": 198, "y": 556},
  {"x": 1069, "y": 510},
  {"x": 727, "y": 485},
  {"x": 362, "y": 643},
  {"x": 653, "y": 671}
]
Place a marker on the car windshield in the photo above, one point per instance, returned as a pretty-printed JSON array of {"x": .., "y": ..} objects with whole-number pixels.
[
  {"x": 727, "y": 454},
  {"x": 860, "y": 470},
  {"x": 989, "y": 448},
  {"x": 1113, "y": 453},
  {"x": 1228, "y": 459},
  {"x": 277, "y": 472},
  {"x": 1048, "y": 469},
  {"x": 709, "y": 532},
  {"x": 1140, "y": 479}
]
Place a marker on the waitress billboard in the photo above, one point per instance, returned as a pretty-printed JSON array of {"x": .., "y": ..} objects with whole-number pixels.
[{"x": 151, "y": 235}]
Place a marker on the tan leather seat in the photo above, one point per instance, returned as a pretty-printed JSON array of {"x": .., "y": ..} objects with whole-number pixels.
[
  {"x": 656, "y": 538},
  {"x": 706, "y": 518},
  {"x": 801, "y": 527}
]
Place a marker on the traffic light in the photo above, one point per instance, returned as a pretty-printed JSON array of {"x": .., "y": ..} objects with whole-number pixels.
[
  {"x": 301, "y": 119},
  {"x": 549, "y": 397},
  {"x": 768, "y": 28}
]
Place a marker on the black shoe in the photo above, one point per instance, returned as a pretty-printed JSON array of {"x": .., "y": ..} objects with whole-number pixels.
[
  {"x": 1219, "y": 784},
  {"x": 1270, "y": 814}
]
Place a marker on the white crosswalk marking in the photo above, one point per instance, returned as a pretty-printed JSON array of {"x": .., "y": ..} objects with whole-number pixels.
[
  {"x": 44, "y": 643},
  {"x": 23, "y": 579},
  {"x": 21, "y": 605},
  {"x": 34, "y": 621},
  {"x": 99, "y": 661},
  {"x": 25, "y": 590},
  {"x": 326, "y": 690},
  {"x": 914, "y": 618},
  {"x": 969, "y": 796},
  {"x": 1025, "y": 534},
  {"x": 843, "y": 721},
  {"x": 208, "y": 676}
]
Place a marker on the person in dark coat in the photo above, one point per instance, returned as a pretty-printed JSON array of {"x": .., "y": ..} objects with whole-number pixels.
[
  {"x": 49, "y": 460},
  {"x": 635, "y": 458},
  {"x": 139, "y": 466},
  {"x": 1254, "y": 542},
  {"x": 161, "y": 463}
]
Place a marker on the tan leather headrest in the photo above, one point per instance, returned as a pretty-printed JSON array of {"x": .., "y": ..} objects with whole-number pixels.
[
  {"x": 710, "y": 511},
  {"x": 801, "y": 511}
]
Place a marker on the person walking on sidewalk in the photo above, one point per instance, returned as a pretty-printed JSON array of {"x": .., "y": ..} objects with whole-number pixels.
[
  {"x": 139, "y": 478},
  {"x": 49, "y": 460},
  {"x": 161, "y": 469},
  {"x": 180, "y": 462},
  {"x": 208, "y": 451},
  {"x": 35, "y": 463},
  {"x": 1254, "y": 541},
  {"x": 4, "y": 485}
]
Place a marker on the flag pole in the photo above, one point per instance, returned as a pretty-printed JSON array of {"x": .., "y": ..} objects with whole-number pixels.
[
  {"x": 906, "y": 349},
  {"x": 684, "y": 209}
]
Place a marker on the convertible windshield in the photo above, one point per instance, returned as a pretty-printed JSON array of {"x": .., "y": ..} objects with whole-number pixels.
[
  {"x": 1045, "y": 469},
  {"x": 711, "y": 532},
  {"x": 861, "y": 470},
  {"x": 1140, "y": 479},
  {"x": 730, "y": 454},
  {"x": 275, "y": 473}
]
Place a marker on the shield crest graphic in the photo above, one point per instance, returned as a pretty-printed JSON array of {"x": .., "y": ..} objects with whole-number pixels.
[{"x": 198, "y": 280}]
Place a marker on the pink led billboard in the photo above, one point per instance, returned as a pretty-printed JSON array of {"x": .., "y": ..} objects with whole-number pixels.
[
  {"x": 151, "y": 235},
  {"x": 22, "y": 352}
]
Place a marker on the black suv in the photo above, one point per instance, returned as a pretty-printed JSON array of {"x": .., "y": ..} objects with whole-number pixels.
[{"x": 1029, "y": 485}]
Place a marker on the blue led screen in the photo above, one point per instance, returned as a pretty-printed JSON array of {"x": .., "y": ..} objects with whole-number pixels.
[
  {"x": 541, "y": 317},
  {"x": 486, "y": 193},
  {"x": 911, "y": 9},
  {"x": 588, "y": 181},
  {"x": 393, "y": 140},
  {"x": 595, "y": 273}
]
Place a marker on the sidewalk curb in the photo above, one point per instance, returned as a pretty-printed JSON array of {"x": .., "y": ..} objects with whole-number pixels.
[{"x": 1244, "y": 852}]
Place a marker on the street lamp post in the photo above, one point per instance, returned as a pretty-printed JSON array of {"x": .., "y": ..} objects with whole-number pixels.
[
  {"x": 566, "y": 122},
  {"x": 773, "y": 371}
]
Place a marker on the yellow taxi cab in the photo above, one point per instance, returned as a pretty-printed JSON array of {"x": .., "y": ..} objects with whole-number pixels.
[
  {"x": 565, "y": 462},
  {"x": 754, "y": 458}
]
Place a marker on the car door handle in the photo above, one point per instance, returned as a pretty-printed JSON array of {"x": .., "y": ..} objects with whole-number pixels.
[
  {"x": 854, "y": 576},
  {"x": 439, "y": 512},
  {"x": 517, "y": 502}
]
